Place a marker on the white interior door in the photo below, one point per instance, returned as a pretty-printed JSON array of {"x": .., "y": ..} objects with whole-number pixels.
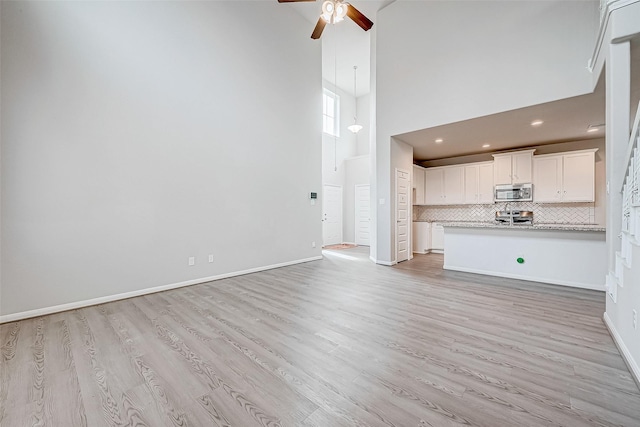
[
  {"x": 332, "y": 215},
  {"x": 363, "y": 215},
  {"x": 402, "y": 215}
]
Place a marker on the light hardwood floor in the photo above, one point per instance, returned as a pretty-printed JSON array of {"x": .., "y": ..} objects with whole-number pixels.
[{"x": 337, "y": 342}]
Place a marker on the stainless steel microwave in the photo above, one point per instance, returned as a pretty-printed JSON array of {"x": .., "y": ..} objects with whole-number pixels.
[{"x": 514, "y": 193}]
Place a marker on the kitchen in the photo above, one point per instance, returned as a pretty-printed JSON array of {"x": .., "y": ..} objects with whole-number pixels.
[{"x": 533, "y": 209}]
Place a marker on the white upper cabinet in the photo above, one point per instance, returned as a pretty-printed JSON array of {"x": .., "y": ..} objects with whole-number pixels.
[
  {"x": 434, "y": 186},
  {"x": 513, "y": 168},
  {"x": 564, "y": 177},
  {"x": 417, "y": 183},
  {"x": 444, "y": 185},
  {"x": 454, "y": 185},
  {"x": 478, "y": 183},
  {"x": 557, "y": 178},
  {"x": 547, "y": 185},
  {"x": 485, "y": 183},
  {"x": 502, "y": 170},
  {"x": 522, "y": 167},
  {"x": 579, "y": 177}
]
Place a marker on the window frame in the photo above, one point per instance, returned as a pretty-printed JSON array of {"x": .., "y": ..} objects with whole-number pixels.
[{"x": 326, "y": 93}]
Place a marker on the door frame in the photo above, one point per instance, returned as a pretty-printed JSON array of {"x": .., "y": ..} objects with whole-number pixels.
[
  {"x": 341, "y": 212},
  {"x": 355, "y": 206},
  {"x": 395, "y": 216}
]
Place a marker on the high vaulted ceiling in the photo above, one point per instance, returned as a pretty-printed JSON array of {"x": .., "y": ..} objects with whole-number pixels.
[{"x": 343, "y": 44}]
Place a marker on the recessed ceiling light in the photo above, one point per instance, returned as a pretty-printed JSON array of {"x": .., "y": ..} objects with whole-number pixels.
[
  {"x": 486, "y": 146},
  {"x": 439, "y": 141},
  {"x": 536, "y": 123}
]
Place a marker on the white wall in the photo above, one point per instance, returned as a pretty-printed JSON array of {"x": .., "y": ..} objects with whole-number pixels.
[
  {"x": 619, "y": 314},
  {"x": 363, "y": 137},
  {"x": 451, "y": 61},
  {"x": 138, "y": 134},
  {"x": 1, "y": 164},
  {"x": 442, "y": 62}
]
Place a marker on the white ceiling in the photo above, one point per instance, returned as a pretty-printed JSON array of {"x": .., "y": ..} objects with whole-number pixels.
[
  {"x": 564, "y": 120},
  {"x": 343, "y": 44}
]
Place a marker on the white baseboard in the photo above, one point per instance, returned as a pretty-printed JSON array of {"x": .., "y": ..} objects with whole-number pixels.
[
  {"x": 624, "y": 351},
  {"x": 377, "y": 261},
  {"x": 527, "y": 278},
  {"x": 437, "y": 251},
  {"x": 102, "y": 300}
]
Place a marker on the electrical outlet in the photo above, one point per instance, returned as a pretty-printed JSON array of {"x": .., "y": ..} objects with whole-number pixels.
[
  {"x": 192, "y": 260},
  {"x": 313, "y": 244},
  {"x": 635, "y": 319},
  {"x": 210, "y": 257}
]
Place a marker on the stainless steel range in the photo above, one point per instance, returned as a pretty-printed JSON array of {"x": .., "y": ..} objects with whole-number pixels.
[{"x": 515, "y": 217}]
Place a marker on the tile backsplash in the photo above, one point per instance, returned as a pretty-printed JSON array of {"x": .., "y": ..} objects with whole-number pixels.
[{"x": 543, "y": 213}]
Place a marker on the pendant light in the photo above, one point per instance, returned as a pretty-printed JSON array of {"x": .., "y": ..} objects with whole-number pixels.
[{"x": 355, "y": 127}]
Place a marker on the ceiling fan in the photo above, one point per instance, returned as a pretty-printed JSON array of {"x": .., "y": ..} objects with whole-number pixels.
[{"x": 334, "y": 11}]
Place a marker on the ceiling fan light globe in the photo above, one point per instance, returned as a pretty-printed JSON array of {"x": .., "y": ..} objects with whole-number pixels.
[
  {"x": 355, "y": 128},
  {"x": 341, "y": 11},
  {"x": 327, "y": 8}
]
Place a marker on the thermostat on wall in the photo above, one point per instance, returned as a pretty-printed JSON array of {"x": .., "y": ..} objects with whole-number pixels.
[{"x": 313, "y": 195}]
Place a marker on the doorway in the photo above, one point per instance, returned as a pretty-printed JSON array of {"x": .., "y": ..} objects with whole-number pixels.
[
  {"x": 362, "y": 214},
  {"x": 402, "y": 215},
  {"x": 332, "y": 215}
]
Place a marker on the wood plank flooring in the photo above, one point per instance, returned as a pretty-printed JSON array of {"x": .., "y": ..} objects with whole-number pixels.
[{"x": 337, "y": 342}]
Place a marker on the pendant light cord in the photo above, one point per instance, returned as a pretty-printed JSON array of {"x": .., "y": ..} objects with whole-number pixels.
[{"x": 355, "y": 95}]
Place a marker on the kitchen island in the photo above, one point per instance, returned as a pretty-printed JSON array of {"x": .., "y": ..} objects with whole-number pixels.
[{"x": 562, "y": 254}]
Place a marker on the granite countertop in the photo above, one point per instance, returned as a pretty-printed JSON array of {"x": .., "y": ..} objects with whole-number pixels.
[{"x": 535, "y": 226}]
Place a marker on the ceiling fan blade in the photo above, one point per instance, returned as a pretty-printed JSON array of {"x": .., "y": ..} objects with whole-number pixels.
[
  {"x": 357, "y": 17},
  {"x": 317, "y": 32},
  {"x": 292, "y": 1}
]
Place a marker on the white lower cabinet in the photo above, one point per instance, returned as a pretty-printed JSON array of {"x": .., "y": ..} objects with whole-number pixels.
[
  {"x": 437, "y": 238},
  {"x": 421, "y": 237}
]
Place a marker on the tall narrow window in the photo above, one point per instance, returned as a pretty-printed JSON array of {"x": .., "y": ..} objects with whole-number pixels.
[{"x": 330, "y": 113}]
